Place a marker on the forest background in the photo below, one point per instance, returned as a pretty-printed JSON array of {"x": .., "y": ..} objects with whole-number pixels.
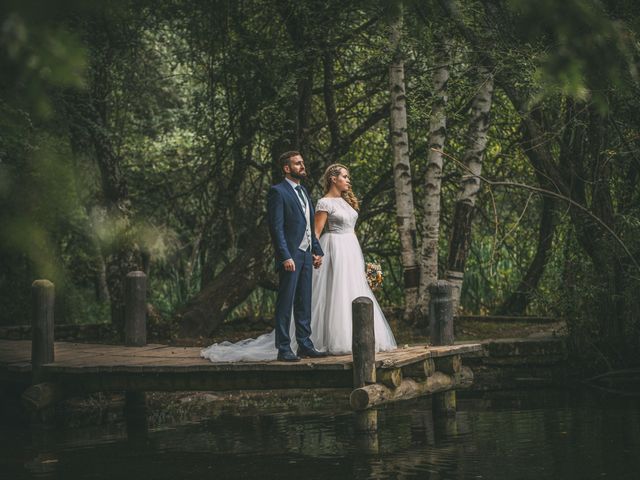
[{"x": 494, "y": 144}]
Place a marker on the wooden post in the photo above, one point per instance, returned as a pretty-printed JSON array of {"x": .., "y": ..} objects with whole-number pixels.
[
  {"x": 420, "y": 370},
  {"x": 135, "y": 313},
  {"x": 390, "y": 377},
  {"x": 363, "y": 345},
  {"x": 366, "y": 420},
  {"x": 135, "y": 335},
  {"x": 42, "y": 349},
  {"x": 363, "y": 342},
  {"x": 455, "y": 280},
  {"x": 445, "y": 403},
  {"x": 445, "y": 428},
  {"x": 441, "y": 313},
  {"x": 367, "y": 442},
  {"x": 451, "y": 364},
  {"x": 441, "y": 323}
]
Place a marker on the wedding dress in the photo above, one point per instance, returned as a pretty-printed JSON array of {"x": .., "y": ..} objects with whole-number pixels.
[{"x": 339, "y": 280}]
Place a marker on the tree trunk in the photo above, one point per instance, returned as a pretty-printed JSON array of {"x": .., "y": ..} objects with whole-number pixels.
[
  {"x": 518, "y": 301},
  {"x": 101, "y": 287},
  {"x": 330, "y": 101},
  {"x": 405, "y": 215},
  {"x": 476, "y": 143},
  {"x": 204, "y": 313},
  {"x": 433, "y": 179},
  {"x": 567, "y": 172}
]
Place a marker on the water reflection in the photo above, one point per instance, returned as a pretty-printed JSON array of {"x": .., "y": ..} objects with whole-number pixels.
[{"x": 533, "y": 435}]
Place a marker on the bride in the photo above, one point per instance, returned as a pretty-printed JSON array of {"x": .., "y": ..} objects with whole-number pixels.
[{"x": 339, "y": 280}]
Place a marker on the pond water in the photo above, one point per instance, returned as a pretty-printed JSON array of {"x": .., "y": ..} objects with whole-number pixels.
[{"x": 514, "y": 435}]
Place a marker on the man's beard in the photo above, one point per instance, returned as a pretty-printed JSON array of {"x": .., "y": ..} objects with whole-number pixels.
[{"x": 299, "y": 176}]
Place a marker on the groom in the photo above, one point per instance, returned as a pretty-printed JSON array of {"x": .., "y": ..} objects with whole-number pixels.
[{"x": 297, "y": 250}]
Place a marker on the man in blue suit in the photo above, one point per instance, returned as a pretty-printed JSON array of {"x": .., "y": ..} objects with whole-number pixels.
[{"x": 297, "y": 251}]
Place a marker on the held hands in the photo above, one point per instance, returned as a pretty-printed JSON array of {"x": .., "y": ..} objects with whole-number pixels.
[{"x": 290, "y": 266}]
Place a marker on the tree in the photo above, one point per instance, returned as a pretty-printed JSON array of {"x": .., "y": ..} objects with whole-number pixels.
[
  {"x": 406, "y": 222},
  {"x": 433, "y": 178},
  {"x": 476, "y": 142}
]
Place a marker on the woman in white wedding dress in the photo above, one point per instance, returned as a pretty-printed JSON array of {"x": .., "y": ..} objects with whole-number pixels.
[{"x": 339, "y": 280}]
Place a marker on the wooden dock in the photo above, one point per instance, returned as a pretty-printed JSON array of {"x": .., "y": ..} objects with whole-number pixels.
[
  {"x": 84, "y": 368},
  {"x": 51, "y": 371}
]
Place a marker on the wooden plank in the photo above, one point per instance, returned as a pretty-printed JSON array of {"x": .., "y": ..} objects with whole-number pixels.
[
  {"x": 160, "y": 362},
  {"x": 69, "y": 356},
  {"x": 409, "y": 356},
  {"x": 107, "y": 349},
  {"x": 105, "y": 360},
  {"x": 447, "y": 350},
  {"x": 171, "y": 352},
  {"x": 180, "y": 363}
]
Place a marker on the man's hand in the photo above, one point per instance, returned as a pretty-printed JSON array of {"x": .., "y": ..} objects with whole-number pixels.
[
  {"x": 289, "y": 265},
  {"x": 317, "y": 261}
]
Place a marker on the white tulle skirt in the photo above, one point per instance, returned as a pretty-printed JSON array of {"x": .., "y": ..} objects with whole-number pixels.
[{"x": 339, "y": 281}]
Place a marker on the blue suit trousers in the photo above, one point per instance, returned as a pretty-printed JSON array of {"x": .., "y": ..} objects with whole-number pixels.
[{"x": 294, "y": 294}]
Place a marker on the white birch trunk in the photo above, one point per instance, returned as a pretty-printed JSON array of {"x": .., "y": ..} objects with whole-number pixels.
[
  {"x": 477, "y": 138},
  {"x": 405, "y": 215},
  {"x": 433, "y": 180},
  {"x": 476, "y": 143}
]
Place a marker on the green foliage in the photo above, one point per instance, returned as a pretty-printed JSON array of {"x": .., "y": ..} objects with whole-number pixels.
[{"x": 584, "y": 53}]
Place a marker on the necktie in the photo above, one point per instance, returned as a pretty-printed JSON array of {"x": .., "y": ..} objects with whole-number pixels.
[{"x": 301, "y": 195}]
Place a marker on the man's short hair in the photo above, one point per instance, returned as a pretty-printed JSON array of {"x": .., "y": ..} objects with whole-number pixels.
[{"x": 285, "y": 157}]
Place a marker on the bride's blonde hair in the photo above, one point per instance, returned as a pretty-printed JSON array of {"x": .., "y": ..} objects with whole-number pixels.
[{"x": 333, "y": 171}]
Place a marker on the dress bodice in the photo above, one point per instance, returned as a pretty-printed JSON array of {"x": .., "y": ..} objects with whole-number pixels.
[{"x": 341, "y": 218}]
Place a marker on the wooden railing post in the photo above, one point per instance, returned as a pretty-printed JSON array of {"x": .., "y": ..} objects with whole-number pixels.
[
  {"x": 135, "y": 335},
  {"x": 363, "y": 342},
  {"x": 363, "y": 345},
  {"x": 441, "y": 324},
  {"x": 42, "y": 305},
  {"x": 441, "y": 313},
  {"x": 455, "y": 280},
  {"x": 135, "y": 310}
]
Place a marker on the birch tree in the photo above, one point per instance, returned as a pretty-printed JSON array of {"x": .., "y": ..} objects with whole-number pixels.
[
  {"x": 476, "y": 143},
  {"x": 405, "y": 214},
  {"x": 436, "y": 140}
]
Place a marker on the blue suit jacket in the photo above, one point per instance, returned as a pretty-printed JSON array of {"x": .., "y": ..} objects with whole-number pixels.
[{"x": 287, "y": 222}]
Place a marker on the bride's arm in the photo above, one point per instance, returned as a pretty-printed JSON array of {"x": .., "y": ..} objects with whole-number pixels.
[{"x": 319, "y": 221}]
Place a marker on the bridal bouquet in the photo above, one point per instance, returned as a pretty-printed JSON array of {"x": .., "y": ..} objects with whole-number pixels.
[{"x": 374, "y": 275}]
